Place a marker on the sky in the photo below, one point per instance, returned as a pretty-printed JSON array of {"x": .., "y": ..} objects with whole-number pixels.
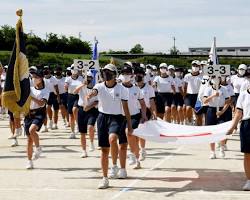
[{"x": 120, "y": 24}]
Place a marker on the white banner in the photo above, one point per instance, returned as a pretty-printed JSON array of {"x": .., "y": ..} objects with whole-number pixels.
[{"x": 164, "y": 132}]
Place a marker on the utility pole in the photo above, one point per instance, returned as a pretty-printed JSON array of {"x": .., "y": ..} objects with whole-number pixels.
[
  {"x": 80, "y": 35},
  {"x": 174, "y": 42}
]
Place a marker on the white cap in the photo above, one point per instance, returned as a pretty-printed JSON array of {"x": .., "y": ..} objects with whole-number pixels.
[
  {"x": 242, "y": 66},
  {"x": 154, "y": 67},
  {"x": 5, "y": 67},
  {"x": 142, "y": 66},
  {"x": 203, "y": 62},
  {"x": 163, "y": 65},
  {"x": 197, "y": 62},
  {"x": 171, "y": 67},
  {"x": 129, "y": 63},
  {"x": 110, "y": 67},
  {"x": 72, "y": 66},
  {"x": 68, "y": 68},
  {"x": 33, "y": 68},
  {"x": 89, "y": 74}
]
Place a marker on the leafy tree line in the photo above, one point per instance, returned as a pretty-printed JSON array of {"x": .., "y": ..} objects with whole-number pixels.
[{"x": 35, "y": 44}]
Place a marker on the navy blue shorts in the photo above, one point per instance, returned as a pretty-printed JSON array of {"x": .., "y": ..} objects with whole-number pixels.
[
  {"x": 178, "y": 100},
  {"x": 235, "y": 98},
  {"x": 135, "y": 121},
  {"x": 86, "y": 118},
  {"x": 203, "y": 110},
  {"x": 52, "y": 101},
  {"x": 107, "y": 124},
  {"x": 159, "y": 104},
  {"x": 72, "y": 102},
  {"x": 166, "y": 99},
  {"x": 64, "y": 100},
  {"x": 211, "y": 117},
  {"x": 34, "y": 117},
  {"x": 190, "y": 100},
  {"x": 228, "y": 115},
  {"x": 245, "y": 136}
]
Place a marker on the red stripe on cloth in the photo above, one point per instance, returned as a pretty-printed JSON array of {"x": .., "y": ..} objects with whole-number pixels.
[{"x": 192, "y": 135}]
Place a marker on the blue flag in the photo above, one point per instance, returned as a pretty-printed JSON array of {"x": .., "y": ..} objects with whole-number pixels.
[{"x": 95, "y": 51}]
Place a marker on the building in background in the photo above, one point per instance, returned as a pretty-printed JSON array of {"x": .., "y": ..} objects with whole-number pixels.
[{"x": 227, "y": 51}]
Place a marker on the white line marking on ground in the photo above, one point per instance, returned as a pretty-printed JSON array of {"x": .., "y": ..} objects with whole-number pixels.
[{"x": 125, "y": 189}]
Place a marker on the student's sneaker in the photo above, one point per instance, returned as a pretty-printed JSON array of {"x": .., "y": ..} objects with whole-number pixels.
[
  {"x": 113, "y": 172},
  {"x": 222, "y": 152},
  {"x": 143, "y": 154},
  {"x": 18, "y": 132},
  {"x": 72, "y": 136},
  {"x": 131, "y": 159},
  {"x": 212, "y": 155},
  {"x": 11, "y": 137},
  {"x": 51, "y": 124},
  {"x": 104, "y": 184},
  {"x": 29, "y": 165},
  {"x": 92, "y": 147},
  {"x": 37, "y": 153},
  {"x": 14, "y": 143},
  {"x": 122, "y": 174},
  {"x": 84, "y": 154},
  {"x": 137, "y": 165},
  {"x": 45, "y": 129},
  {"x": 246, "y": 187},
  {"x": 54, "y": 127}
]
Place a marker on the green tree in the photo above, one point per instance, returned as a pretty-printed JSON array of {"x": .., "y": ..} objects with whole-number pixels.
[
  {"x": 9, "y": 35},
  {"x": 32, "y": 51},
  {"x": 137, "y": 49}
]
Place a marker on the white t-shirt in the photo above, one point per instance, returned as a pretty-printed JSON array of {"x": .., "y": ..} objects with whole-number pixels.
[
  {"x": 73, "y": 83},
  {"x": 178, "y": 83},
  {"x": 237, "y": 82},
  {"x": 243, "y": 103},
  {"x": 3, "y": 78},
  {"x": 230, "y": 90},
  {"x": 135, "y": 95},
  {"x": 50, "y": 83},
  {"x": 61, "y": 83},
  {"x": 82, "y": 94},
  {"x": 193, "y": 83},
  {"x": 245, "y": 85},
  {"x": 38, "y": 94},
  {"x": 164, "y": 85},
  {"x": 203, "y": 86},
  {"x": 216, "y": 101},
  {"x": 110, "y": 99},
  {"x": 148, "y": 93}
]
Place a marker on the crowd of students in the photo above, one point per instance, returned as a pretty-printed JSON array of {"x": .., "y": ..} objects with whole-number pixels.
[{"x": 121, "y": 101}]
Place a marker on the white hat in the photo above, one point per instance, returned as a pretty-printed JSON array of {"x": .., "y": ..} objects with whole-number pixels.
[
  {"x": 242, "y": 66},
  {"x": 110, "y": 67},
  {"x": 154, "y": 67},
  {"x": 33, "y": 68},
  {"x": 142, "y": 66},
  {"x": 197, "y": 62},
  {"x": 203, "y": 62},
  {"x": 171, "y": 67},
  {"x": 68, "y": 68},
  {"x": 163, "y": 65},
  {"x": 72, "y": 66},
  {"x": 89, "y": 74},
  {"x": 5, "y": 67},
  {"x": 129, "y": 63}
]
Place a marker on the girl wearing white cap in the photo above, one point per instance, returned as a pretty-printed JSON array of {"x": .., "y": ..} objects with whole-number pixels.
[
  {"x": 87, "y": 113},
  {"x": 71, "y": 83}
]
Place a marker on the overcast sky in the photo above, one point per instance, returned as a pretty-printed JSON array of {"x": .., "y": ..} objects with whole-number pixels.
[{"x": 120, "y": 24}]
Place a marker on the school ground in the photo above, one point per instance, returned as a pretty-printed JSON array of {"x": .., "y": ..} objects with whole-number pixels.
[{"x": 169, "y": 172}]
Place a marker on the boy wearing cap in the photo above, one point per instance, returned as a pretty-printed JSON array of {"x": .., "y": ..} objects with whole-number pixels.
[{"x": 113, "y": 101}]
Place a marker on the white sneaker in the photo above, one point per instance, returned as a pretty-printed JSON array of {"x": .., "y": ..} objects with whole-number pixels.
[
  {"x": 84, "y": 154},
  {"x": 29, "y": 165},
  {"x": 92, "y": 147},
  {"x": 122, "y": 174},
  {"x": 12, "y": 137},
  {"x": 113, "y": 172},
  {"x": 54, "y": 127},
  {"x": 45, "y": 129},
  {"x": 14, "y": 143},
  {"x": 222, "y": 152},
  {"x": 143, "y": 154},
  {"x": 37, "y": 153},
  {"x": 51, "y": 124},
  {"x": 212, "y": 155},
  {"x": 131, "y": 159},
  {"x": 246, "y": 187},
  {"x": 72, "y": 136},
  {"x": 137, "y": 165},
  {"x": 104, "y": 184},
  {"x": 18, "y": 132}
]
